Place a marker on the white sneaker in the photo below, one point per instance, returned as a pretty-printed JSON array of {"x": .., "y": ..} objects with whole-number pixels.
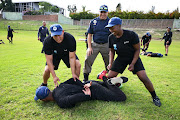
[{"x": 115, "y": 80}]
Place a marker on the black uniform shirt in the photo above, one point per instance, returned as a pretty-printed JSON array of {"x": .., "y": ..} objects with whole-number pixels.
[
  {"x": 97, "y": 28},
  {"x": 51, "y": 47},
  {"x": 42, "y": 32},
  {"x": 10, "y": 32},
  {"x": 124, "y": 45},
  {"x": 146, "y": 39},
  {"x": 167, "y": 36}
]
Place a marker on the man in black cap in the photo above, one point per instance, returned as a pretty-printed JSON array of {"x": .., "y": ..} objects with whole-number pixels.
[
  {"x": 168, "y": 39},
  {"x": 126, "y": 44},
  {"x": 70, "y": 92},
  {"x": 60, "y": 45}
]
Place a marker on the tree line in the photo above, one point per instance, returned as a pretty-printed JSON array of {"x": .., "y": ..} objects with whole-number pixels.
[{"x": 129, "y": 15}]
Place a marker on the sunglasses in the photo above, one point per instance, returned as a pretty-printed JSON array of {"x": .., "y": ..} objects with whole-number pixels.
[{"x": 103, "y": 8}]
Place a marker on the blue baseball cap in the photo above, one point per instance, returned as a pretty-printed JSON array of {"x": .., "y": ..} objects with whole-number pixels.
[
  {"x": 148, "y": 34},
  {"x": 114, "y": 21},
  {"x": 56, "y": 29},
  {"x": 41, "y": 93},
  {"x": 8, "y": 26},
  {"x": 169, "y": 28},
  {"x": 103, "y": 8}
]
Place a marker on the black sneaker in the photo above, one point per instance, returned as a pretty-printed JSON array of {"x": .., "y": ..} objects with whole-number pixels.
[
  {"x": 157, "y": 101},
  {"x": 125, "y": 79},
  {"x": 43, "y": 84},
  {"x": 86, "y": 77},
  {"x": 165, "y": 54}
]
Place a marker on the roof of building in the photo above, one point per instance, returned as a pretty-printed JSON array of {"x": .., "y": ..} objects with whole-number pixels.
[{"x": 26, "y": 1}]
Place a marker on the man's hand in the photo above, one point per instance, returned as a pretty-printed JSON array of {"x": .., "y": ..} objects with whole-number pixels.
[
  {"x": 109, "y": 66},
  {"x": 56, "y": 79},
  {"x": 87, "y": 91},
  {"x": 167, "y": 42},
  {"x": 75, "y": 77},
  {"x": 89, "y": 51},
  {"x": 131, "y": 67},
  {"x": 38, "y": 38},
  {"x": 146, "y": 44},
  {"x": 88, "y": 85}
]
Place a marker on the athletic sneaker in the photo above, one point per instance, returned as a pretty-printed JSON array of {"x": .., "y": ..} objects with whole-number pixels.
[
  {"x": 157, "y": 101},
  {"x": 117, "y": 80},
  {"x": 100, "y": 75},
  {"x": 165, "y": 54},
  {"x": 85, "y": 77}
]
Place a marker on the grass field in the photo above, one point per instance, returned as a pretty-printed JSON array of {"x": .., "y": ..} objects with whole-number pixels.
[{"x": 21, "y": 70}]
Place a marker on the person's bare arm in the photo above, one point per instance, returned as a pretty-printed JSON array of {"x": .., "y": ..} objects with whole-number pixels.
[
  {"x": 72, "y": 61},
  {"x": 89, "y": 39},
  {"x": 49, "y": 60},
  {"x": 136, "y": 56},
  {"x": 111, "y": 58}
]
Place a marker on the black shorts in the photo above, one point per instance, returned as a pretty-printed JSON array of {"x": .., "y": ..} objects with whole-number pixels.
[
  {"x": 168, "y": 43},
  {"x": 11, "y": 36},
  {"x": 120, "y": 64},
  {"x": 65, "y": 60},
  {"x": 144, "y": 42}
]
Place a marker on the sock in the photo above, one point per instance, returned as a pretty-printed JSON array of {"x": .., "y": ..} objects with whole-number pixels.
[
  {"x": 153, "y": 94},
  {"x": 86, "y": 75},
  {"x": 43, "y": 84}
]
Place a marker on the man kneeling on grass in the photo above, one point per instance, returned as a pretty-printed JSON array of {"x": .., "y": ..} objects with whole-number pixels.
[{"x": 70, "y": 92}]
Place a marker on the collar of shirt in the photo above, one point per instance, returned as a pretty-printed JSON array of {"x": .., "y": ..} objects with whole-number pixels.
[{"x": 98, "y": 18}]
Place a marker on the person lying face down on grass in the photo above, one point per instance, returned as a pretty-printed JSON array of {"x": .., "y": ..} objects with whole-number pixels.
[
  {"x": 151, "y": 54},
  {"x": 70, "y": 92}
]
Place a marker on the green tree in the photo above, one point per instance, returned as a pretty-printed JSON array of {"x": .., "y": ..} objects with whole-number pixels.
[
  {"x": 54, "y": 9},
  {"x": 7, "y": 6},
  {"x": 46, "y": 6}
]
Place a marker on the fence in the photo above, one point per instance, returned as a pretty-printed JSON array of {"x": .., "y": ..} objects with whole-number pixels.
[
  {"x": 12, "y": 15},
  {"x": 84, "y": 23},
  {"x": 137, "y": 23}
]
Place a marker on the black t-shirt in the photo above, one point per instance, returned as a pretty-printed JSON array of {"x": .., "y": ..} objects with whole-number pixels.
[
  {"x": 124, "y": 45},
  {"x": 10, "y": 32},
  {"x": 167, "y": 36},
  {"x": 146, "y": 39},
  {"x": 58, "y": 50}
]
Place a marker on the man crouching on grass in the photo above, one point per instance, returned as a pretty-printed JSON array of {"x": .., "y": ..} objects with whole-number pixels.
[
  {"x": 126, "y": 45},
  {"x": 60, "y": 45},
  {"x": 70, "y": 92}
]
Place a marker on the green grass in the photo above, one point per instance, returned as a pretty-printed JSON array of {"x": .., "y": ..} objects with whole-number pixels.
[{"x": 21, "y": 70}]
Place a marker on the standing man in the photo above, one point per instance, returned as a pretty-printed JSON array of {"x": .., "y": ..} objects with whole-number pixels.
[
  {"x": 60, "y": 45},
  {"x": 146, "y": 40},
  {"x": 43, "y": 30},
  {"x": 99, "y": 44},
  {"x": 10, "y": 34},
  {"x": 126, "y": 44},
  {"x": 168, "y": 39}
]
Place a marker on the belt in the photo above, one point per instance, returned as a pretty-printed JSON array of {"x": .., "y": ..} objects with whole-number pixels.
[{"x": 100, "y": 43}]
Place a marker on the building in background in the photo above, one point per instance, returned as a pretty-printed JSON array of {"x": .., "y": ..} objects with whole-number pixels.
[
  {"x": 30, "y": 5},
  {"x": 26, "y": 6}
]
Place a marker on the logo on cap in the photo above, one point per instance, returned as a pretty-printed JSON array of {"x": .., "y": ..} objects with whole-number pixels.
[{"x": 54, "y": 28}]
